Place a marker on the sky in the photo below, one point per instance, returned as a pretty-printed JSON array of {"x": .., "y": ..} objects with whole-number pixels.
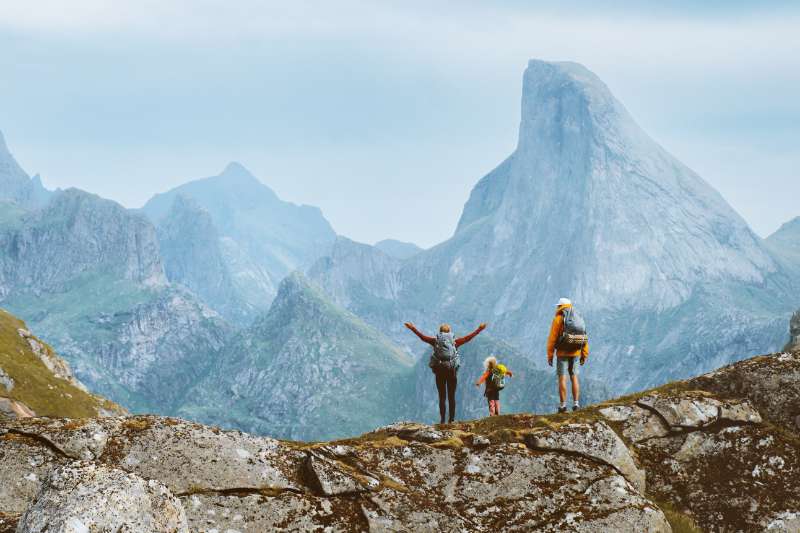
[{"x": 375, "y": 111}]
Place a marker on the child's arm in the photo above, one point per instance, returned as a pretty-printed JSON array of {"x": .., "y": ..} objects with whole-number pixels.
[
  {"x": 509, "y": 373},
  {"x": 482, "y": 379}
]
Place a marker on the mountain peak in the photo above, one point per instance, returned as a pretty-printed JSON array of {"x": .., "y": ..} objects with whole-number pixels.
[{"x": 234, "y": 168}]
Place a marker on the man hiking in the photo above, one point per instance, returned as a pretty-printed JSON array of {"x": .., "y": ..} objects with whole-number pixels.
[
  {"x": 444, "y": 363},
  {"x": 568, "y": 340}
]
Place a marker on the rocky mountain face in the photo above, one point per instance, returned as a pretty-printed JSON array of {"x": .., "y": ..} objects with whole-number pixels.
[
  {"x": 35, "y": 381},
  {"x": 192, "y": 254},
  {"x": 398, "y": 249},
  {"x": 86, "y": 274},
  {"x": 785, "y": 245},
  {"x": 715, "y": 453},
  {"x": 671, "y": 280},
  {"x": 262, "y": 238},
  {"x": 78, "y": 235},
  {"x": 305, "y": 370},
  {"x": 16, "y": 187}
]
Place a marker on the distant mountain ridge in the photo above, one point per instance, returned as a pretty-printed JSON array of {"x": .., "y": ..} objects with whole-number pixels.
[
  {"x": 398, "y": 249},
  {"x": 16, "y": 186},
  {"x": 262, "y": 238}
]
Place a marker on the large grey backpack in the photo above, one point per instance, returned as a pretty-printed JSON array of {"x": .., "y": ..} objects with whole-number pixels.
[
  {"x": 445, "y": 353},
  {"x": 574, "y": 335}
]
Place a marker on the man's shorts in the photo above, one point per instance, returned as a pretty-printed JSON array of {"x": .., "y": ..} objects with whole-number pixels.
[{"x": 567, "y": 365}]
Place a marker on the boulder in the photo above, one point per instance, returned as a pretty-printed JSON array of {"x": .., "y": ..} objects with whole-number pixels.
[
  {"x": 638, "y": 424},
  {"x": 329, "y": 479},
  {"x": 596, "y": 441},
  {"x": 771, "y": 384},
  {"x": 83, "y": 496},
  {"x": 14, "y": 409}
]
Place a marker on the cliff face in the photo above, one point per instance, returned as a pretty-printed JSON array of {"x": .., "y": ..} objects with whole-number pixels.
[
  {"x": 590, "y": 207},
  {"x": 193, "y": 257},
  {"x": 716, "y": 453},
  {"x": 78, "y": 234}
]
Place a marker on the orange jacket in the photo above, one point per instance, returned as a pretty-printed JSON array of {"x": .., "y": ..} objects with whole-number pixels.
[
  {"x": 485, "y": 376},
  {"x": 555, "y": 332}
]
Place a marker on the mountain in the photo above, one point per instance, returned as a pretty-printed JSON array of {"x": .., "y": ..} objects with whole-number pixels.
[
  {"x": 306, "y": 369},
  {"x": 716, "y": 453},
  {"x": 192, "y": 254},
  {"x": 262, "y": 238},
  {"x": 785, "y": 245},
  {"x": 35, "y": 381},
  {"x": 86, "y": 274},
  {"x": 672, "y": 281},
  {"x": 398, "y": 249},
  {"x": 16, "y": 187}
]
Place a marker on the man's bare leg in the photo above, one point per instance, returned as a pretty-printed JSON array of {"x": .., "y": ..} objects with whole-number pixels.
[
  {"x": 576, "y": 389},
  {"x": 562, "y": 389}
]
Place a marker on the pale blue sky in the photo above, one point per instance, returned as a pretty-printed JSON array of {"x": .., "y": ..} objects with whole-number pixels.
[{"x": 374, "y": 111}]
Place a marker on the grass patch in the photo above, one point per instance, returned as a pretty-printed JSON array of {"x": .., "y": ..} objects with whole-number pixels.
[
  {"x": 34, "y": 384},
  {"x": 678, "y": 521}
]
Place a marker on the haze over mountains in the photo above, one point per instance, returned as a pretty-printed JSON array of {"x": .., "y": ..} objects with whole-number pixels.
[{"x": 192, "y": 305}]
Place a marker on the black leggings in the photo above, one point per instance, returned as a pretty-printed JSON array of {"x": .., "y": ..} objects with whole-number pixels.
[{"x": 446, "y": 383}]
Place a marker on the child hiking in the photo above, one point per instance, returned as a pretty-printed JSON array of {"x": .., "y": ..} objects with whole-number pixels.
[{"x": 494, "y": 376}]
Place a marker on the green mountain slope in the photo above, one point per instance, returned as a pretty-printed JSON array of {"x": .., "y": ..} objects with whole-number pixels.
[
  {"x": 34, "y": 379},
  {"x": 305, "y": 370}
]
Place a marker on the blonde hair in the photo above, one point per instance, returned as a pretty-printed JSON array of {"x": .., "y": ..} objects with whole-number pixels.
[
  {"x": 444, "y": 328},
  {"x": 490, "y": 362}
]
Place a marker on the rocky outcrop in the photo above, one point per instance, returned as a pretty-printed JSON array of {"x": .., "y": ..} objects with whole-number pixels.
[
  {"x": 695, "y": 452},
  {"x": 794, "y": 333},
  {"x": 90, "y": 497}
]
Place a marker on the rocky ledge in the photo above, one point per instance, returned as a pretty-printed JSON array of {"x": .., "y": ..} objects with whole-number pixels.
[{"x": 720, "y": 452}]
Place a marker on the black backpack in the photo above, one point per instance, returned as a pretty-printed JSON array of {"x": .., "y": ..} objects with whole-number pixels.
[{"x": 573, "y": 335}]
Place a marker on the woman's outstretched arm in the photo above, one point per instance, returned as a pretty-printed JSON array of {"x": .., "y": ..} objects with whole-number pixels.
[
  {"x": 467, "y": 338},
  {"x": 418, "y": 333}
]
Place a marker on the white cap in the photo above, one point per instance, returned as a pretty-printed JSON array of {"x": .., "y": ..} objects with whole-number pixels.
[{"x": 564, "y": 301}]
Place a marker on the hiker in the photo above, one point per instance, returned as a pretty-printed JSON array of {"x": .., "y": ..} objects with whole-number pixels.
[
  {"x": 568, "y": 340},
  {"x": 444, "y": 363},
  {"x": 495, "y": 378}
]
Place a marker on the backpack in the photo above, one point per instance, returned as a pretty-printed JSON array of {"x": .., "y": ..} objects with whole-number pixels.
[
  {"x": 497, "y": 380},
  {"x": 573, "y": 335},
  {"x": 445, "y": 353}
]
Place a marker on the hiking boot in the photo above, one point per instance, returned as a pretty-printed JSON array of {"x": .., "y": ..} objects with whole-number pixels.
[
  {"x": 562, "y": 409},
  {"x": 576, "y": 407}
]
